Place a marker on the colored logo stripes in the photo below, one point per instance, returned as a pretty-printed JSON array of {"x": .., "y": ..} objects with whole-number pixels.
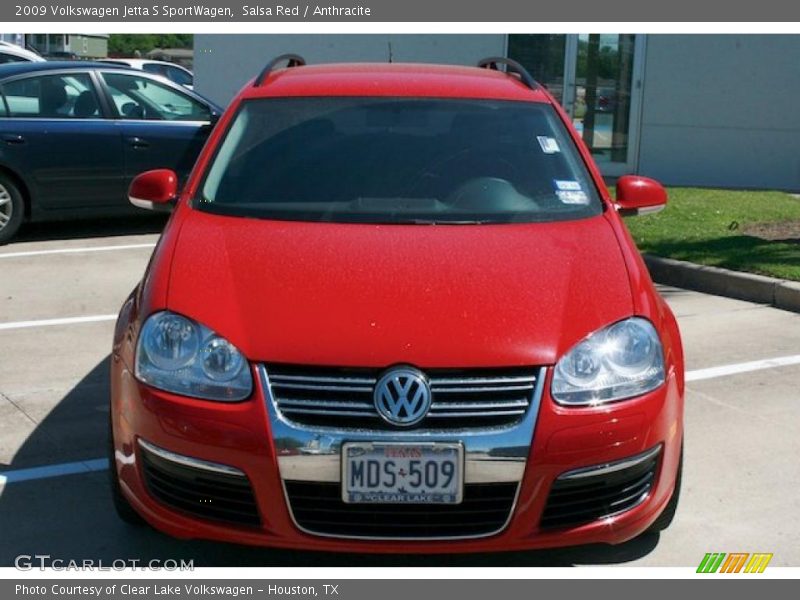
[{"x": 735, "y": 562}]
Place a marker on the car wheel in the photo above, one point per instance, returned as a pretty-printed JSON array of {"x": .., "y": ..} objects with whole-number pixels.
[
  {"x": 124, "y": 509},
  {"x": 666, "y": 517},
  {"x": 12, "y": 209}
]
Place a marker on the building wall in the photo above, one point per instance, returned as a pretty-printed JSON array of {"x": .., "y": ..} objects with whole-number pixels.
[
  {"x": 722, "y": 111},
  {"x": 82, "y": 44},
  {"x": 88, "y": 46},
  {"x": 13, "y": 38},
  {"x": 224, "y": 63},
  {"x": 717, "y": 110}
]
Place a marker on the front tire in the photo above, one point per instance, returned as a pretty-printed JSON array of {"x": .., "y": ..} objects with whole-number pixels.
[{"x": 12, "y": 208}]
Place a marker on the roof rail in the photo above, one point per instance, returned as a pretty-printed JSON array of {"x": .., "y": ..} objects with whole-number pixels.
[
  {"x": 292, "y": 60},
  {"x": 512, "y": 66}
]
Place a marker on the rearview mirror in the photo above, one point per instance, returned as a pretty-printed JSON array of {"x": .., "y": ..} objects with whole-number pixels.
[
  {"x": 154, "y": 190},
  {"x": 639, "y": 195}
]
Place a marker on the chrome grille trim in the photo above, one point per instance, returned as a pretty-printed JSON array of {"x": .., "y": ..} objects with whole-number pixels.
[
  {"x": 305, "y": 394},
  {"x": 324, "y": 404},
  {"x": 456, "y": 405},
  {"x": 601, "y": 491},
  {"x": 324, "y": 388},
  {"x": 481, "y": 380},
  {"x": 341, "y": 413},
  {"x": 188, "y": 461},
  {"x": 494, "y": 413},
  {"x": 473, "y": 390},
  {"x": 612, "y": 467},
  {"x": 316, "y": 380},
  {"x": 311, "y": 452},
  {"x": 495, "y": 454}
]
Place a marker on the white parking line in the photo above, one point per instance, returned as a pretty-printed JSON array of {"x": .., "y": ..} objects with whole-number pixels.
[
  {"x": 745, "y": 367},
  {"x": 101, "y": 464},
  {"x": 50, "y": 471},
  {"x": 76, "y": 250},
  {"x": 63, "y": 321}
]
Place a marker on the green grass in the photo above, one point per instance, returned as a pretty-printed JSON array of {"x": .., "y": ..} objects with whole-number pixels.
[{"x": 705, "y": 226}]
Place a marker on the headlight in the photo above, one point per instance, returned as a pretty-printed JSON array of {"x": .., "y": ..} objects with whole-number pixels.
[
  {"x": 621, "y": 361},
  {"x": 175, "y": 354}
]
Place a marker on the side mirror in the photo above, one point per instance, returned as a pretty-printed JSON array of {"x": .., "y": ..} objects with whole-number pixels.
[
  {"x": 214, "y": 117},
  {"x": 154, "y": 190},
  {"x": 640, "y": 195}
]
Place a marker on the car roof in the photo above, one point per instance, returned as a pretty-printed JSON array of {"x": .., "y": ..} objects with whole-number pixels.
[
  {"x": 138, "y": 62},
  {"x": 393, "y": 79},
  {"x": 14, "y": 50},
  {"x": 10, "y": 69}
]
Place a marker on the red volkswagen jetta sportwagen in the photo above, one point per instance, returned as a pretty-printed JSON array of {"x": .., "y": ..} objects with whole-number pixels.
[{"x": 395, "y": 309}]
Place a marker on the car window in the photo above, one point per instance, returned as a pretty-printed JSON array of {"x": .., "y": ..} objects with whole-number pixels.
[
  {"x": 398, "y": 160},
  {"x": 11, "y": 58},
  {"x": 154, "y": 68},
  {"x": 179, "y": 76},
  {"x": 138, "y": 97},
  {"x": 65, "y": 96}
]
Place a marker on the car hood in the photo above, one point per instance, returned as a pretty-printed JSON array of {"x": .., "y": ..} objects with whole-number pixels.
[{"x": 376, "y": 295}]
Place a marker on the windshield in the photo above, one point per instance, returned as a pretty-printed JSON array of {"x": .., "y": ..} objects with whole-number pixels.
[{"x": 390, "y": 160}]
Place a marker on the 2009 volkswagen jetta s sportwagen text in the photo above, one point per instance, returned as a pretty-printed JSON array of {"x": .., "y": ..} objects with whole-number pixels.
[{"x": 395, "y": 309}]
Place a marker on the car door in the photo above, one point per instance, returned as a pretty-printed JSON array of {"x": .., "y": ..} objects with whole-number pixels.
[
  {"x": 55, "y": 135},
  {"x": 162, "y": 124}
]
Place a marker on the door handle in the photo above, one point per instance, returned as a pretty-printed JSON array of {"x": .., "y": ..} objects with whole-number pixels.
[
  {"x": 13, "y": 138},
  {"x": 137, "y": 142}
]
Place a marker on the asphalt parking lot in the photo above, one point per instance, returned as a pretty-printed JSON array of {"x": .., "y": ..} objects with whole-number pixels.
[{"x": 61, "y": 286}]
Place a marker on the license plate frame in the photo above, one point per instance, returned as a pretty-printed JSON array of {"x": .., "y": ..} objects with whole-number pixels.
[{"x": 427, "y": 452}]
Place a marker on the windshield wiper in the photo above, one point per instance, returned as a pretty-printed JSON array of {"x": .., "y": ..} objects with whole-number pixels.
[{"x": 438, "y": 222}]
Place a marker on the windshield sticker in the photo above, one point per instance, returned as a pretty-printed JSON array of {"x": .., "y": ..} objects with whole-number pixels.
[
  {"x": 568, "y": 186},
  {"x": 571, "y": 197},
  {"x": 549, "y": 145}
]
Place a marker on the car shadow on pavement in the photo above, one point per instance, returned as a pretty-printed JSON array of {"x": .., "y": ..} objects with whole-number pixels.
[
  {"x": 92, "y": 228},
  {"x": 72, "y": 518}
]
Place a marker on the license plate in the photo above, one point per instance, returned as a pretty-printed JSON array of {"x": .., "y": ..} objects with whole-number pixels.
[{"x": 397, "y": 473}]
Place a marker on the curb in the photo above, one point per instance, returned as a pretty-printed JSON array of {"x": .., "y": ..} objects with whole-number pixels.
[{"x": 780, "y": 293}]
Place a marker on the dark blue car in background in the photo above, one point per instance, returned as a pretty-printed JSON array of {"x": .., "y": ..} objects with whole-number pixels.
[{"x": 74, "y": 134}]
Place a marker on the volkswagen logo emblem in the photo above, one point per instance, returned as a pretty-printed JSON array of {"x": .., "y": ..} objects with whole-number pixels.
[{"x": 402, "y": 396}]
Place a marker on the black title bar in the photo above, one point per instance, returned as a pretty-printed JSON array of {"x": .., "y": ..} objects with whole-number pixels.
[{"x": 460, "y": 11}]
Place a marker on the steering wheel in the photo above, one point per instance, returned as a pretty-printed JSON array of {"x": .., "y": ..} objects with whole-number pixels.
[
  {"x": 132, "y": 110},
  {"x": 489, "y": 194},
  {"x": 485, "y": 165}
]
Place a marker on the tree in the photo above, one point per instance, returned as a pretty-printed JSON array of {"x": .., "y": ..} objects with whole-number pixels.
[{"x": 126, "y": 44}]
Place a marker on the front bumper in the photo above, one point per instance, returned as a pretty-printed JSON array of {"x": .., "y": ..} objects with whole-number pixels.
[{"x": 252, "y": 438}]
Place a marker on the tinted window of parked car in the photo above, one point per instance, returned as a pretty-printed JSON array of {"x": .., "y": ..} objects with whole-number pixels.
[
  {"x": 142, "y": 98},
  {"x": 399, "y": 160},
  {"x": 10, "y": 58},
  {"x": 154, "y": 68},
  {"x": 179, "y": 76},
  {"x": 52, "y": 97}
]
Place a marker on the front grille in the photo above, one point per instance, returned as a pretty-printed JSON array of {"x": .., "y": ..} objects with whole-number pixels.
[
  {"x": 579, "y": 500},
  {"x": 199, "y": 492},
  {"x": 336, "y": 397},
  {"x": 318, "y": 508}
]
